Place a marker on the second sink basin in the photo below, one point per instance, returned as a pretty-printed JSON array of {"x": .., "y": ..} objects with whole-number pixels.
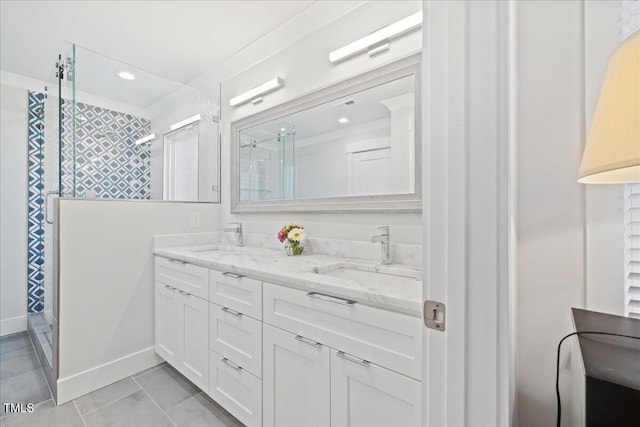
[{"x": 371, "y": 275}]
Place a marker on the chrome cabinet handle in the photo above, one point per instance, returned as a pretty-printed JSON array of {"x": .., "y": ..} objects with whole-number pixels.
[
  {"x": 230, "y": 364},
  {"x": 330, "y": 298},
  {"x": 46, "y": 205},
  {"x": 353, "y": 359},
  {"x": 177, "y": 261},
  {"x": 184, "y": 293},
  {"x": 308, "y": 341},
  {"x": 228, "y": 310},
  {"x": 234, "y": 275}
]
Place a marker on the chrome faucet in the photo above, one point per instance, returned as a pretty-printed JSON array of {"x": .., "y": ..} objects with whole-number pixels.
[
  {"x": 384, "y": 241},
  {"x": 237, "y": 228}
]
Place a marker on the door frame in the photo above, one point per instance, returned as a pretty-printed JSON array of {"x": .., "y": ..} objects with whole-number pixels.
[{"x": 468, "y": 206}]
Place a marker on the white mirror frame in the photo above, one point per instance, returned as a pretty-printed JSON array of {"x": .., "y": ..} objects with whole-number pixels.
[{"x": 410, "y": 202}]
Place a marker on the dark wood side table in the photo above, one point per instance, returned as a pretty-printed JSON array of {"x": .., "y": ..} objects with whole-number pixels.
[{"x": 612, "y": 368}]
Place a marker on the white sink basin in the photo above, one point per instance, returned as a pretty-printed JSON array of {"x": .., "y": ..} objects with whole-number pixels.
[
  {"x": 384, "y": 276},
  {"x": 215, "y": 249}
]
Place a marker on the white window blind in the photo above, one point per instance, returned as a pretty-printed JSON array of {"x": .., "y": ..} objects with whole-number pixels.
[
  {"x": 632, "y": 250},
  {"x": 630, "y": 22}
]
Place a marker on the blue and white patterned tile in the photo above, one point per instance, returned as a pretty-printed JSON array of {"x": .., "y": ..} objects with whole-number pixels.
[
  {"x": 35, "y": 231},
  {"x": 105, "y": 158}
]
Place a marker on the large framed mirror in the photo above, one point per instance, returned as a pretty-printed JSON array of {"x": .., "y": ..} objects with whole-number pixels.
[{"x": 352, "y": 146}]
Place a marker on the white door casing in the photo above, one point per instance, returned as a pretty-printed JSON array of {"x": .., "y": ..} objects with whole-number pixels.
[{"x": 466, "y": 210}]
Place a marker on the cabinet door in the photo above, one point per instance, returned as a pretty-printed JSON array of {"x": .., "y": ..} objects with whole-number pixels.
[
  {"x": 366, "y": 395},
  {"x": 194, "y": 324},
  {"x": 296, "y": 380},
  {"x": 167, "y": 307}
]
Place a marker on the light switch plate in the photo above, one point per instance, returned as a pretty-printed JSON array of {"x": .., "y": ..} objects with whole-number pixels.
[{"x": 194, "y": 221}]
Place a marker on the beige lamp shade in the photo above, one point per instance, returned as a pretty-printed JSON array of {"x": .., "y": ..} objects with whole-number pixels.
[{"x": 612, "y": 154}]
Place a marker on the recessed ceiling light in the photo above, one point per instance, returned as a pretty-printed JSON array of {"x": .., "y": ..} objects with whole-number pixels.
[
  {"x": 126, "y": 75},
  {"x": 343, "y": 120}
]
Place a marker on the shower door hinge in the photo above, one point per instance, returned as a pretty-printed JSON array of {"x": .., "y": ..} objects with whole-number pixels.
[{"x": 434, "y": 314}]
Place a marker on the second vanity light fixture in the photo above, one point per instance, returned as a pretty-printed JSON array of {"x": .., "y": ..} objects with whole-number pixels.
[
  {"x": 147, "y": 138},
  {"x": 255, "y": 95},
  {"x": 377, "y": 41},
  {"x": 185, "y": 122}
]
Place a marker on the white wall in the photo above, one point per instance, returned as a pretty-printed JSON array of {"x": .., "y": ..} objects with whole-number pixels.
[
  {"x": 106, "y": 308},
  {"x": 14, "y": 119},
  {"x": 569, "y": 236},
  {"x": 304, "y": 66}
]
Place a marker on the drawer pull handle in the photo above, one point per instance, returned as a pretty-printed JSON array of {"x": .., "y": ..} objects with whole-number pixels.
[
  {"x": 171, "y": 288},
  {"x": 177, "y": 261},
  {"x": 353, "y": 359},
  {"x": 308, "y": 341},
  {"x": 331, "y": 298},
  {"x": 234, "y": 275},
  {"x": 230, "y": 364},
  {"x": 228, "y": 310},
  {"x": 184, "y": 293}
]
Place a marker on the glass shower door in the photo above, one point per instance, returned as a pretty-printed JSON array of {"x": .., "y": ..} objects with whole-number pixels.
[{"x": 47, "y": 124}]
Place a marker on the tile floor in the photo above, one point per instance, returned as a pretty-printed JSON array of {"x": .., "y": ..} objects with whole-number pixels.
[{"x": 157, "y": 397}]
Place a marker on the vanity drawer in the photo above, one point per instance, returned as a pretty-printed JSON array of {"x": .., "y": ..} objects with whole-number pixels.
[
  {"x": 236, "y": 337},
  {"x": 237, "y": 292},
  {"x": 183, "y": 276},
  {"x": 389, "y": 339},
  {"x": 235, "y": 389}
]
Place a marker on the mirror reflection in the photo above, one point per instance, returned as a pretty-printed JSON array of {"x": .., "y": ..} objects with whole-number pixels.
[
  {"x": 362, "y": 144},
  {"x": 126, "y": 133}
]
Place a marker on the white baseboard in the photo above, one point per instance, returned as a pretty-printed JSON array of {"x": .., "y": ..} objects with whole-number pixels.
[
  {"x": 79, "y": 384},
  {"x": 13, "y": 325}
]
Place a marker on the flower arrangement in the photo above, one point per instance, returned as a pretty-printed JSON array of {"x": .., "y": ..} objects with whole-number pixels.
[{"x": 292, "y": 235}]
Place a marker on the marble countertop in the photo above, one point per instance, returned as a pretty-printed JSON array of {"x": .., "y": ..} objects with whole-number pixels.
[{"x": 302, "y": 272}]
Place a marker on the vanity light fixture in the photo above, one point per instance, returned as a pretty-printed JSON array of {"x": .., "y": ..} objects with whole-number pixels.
[
  {"x": 185, "y": 122},
  {"x": 146, "y": 139},
  {"x": 343, "y": 120},
  {"x": 377, "y": 41},
  {"x": 256, "y": 93},
  {"x": 126, "y": 75}
]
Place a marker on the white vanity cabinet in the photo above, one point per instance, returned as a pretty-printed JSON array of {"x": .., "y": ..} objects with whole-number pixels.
[
  {"x": 276, "y": 356},
  {"x": 296, "y": 382},
  {"x": 318, "y": 362},
  {"x": 182, "y": 332}
]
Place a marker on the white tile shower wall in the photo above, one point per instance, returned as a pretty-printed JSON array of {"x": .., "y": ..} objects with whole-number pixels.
[
  {"x": 106, "y": 286},
  {"x": 13, "y": 209},
  {"x": 305, "y": 67}
]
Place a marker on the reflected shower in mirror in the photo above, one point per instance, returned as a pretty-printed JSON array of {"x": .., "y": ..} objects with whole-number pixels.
[
  {"x": 359, "y": 145},
  {"x": 112, "y": 143}
]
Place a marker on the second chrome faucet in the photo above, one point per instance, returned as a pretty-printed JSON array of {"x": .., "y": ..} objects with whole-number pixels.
[
  {"x": 383, "y": 238},
  {"x": 237, "y": 228}
]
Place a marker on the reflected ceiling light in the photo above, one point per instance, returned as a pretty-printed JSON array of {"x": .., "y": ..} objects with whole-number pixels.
[
  {"x": 126, "y": 75},
  {"x": 381, "y": 36},
  {"x": 257, "y": 92},
  {"x": 146, "y": 139},
  {"x": 343, "y": 120},
  {"x": 185, "y": 122}
]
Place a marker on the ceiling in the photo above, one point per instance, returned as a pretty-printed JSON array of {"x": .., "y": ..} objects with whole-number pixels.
[
  {"x": 178, "y": 40},
  {"x": 358, "y": 108}
]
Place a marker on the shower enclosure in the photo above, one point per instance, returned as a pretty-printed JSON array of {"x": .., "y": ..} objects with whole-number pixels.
[
  {"x": 267, "y": 162},
  {"x": 93, "y": 134}
]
